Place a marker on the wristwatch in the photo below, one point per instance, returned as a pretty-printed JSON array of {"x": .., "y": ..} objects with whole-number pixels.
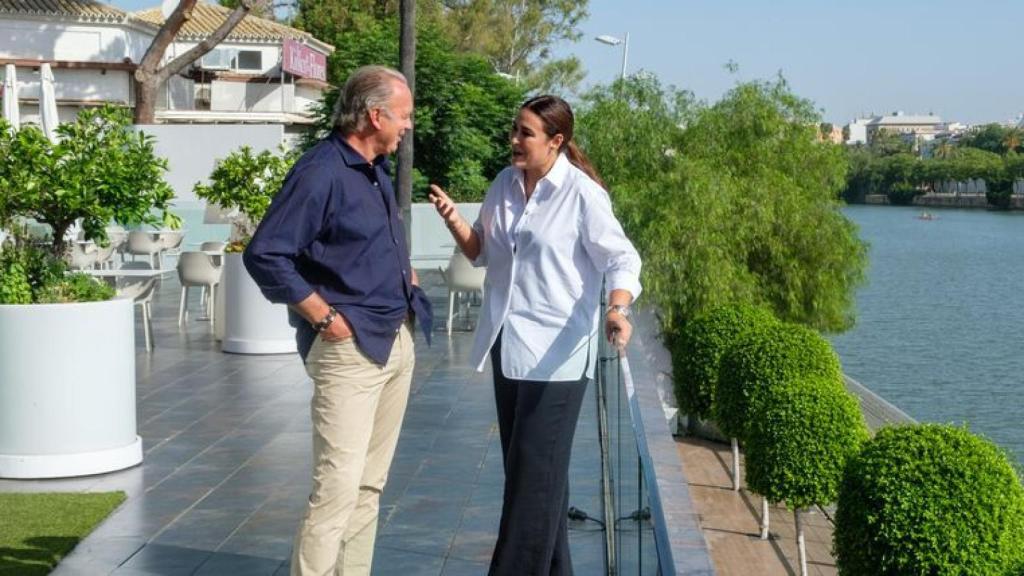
[
  {"x": 323, "y": 324},
  {"x": 622, "y": 309}
]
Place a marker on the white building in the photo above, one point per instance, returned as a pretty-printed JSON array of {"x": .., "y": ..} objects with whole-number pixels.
[
  {"x": 857, "y": 131},
  {"x": 264, "y": 72},
  {"x": 918, "y": 127}
]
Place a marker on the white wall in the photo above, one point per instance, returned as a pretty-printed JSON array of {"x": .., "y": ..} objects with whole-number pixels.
[
  {"x": 192, "y": 149},
  {"x": 77, "y": 84},
  {"x": 54, "y": 40},
  {"x": 251, "y": 96}
]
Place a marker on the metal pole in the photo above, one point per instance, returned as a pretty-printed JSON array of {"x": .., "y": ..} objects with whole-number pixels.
[
  {"x": 625, "y": 54},
  {"x": 407, "y": 58}
]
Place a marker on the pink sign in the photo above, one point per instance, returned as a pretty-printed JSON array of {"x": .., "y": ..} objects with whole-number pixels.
[{"x": 301, "y": 60}]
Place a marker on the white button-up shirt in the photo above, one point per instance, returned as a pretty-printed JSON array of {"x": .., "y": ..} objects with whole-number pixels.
[{"x": 545, "y": 259}]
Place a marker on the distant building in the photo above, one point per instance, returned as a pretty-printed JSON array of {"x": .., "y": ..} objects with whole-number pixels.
[
  {"x": 917, "y": 127},
  {"x": 263, "y": 72},
  {"x": 857, "y": 131},
  {"x": 830, "y": 133}
]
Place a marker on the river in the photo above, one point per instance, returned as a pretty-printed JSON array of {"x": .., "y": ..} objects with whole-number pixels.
[{"x": 940, "y": 322}]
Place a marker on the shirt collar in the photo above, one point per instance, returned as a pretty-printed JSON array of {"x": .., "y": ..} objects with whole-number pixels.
[
  {"x": 353, "y": 158},
  {"x": 556, "y": 175}
]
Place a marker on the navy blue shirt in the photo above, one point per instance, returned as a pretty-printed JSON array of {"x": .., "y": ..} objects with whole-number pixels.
[{"x": 335, "y": 229}]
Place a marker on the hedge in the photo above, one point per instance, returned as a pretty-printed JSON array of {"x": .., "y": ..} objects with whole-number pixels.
[
  {"x": 698, "y": 347},
  {"x": 804, "y": 433},
  {"x": 767, "y": 356},
  {"x": 930, "y": 499}
]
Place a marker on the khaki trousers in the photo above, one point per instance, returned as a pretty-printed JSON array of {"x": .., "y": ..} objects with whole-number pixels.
[{"x": 357, "y": 412}]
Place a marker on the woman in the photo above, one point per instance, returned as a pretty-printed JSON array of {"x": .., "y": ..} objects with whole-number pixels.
[{"x": 547, "y": 234}]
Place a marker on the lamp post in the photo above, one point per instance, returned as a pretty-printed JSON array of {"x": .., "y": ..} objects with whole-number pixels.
[{"x": 614, "y": 41}]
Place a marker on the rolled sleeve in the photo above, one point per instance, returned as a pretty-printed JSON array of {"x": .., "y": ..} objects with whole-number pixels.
[
  {"x": 294, "y": 220},
  {"x": 607, "y": 245}
]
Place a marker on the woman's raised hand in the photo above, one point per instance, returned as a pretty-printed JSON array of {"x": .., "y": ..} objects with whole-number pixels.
[{"x": 444, "y": 205}]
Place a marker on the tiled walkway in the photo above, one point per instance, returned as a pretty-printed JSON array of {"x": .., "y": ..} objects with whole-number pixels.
[{"x": 227, "y": 465}]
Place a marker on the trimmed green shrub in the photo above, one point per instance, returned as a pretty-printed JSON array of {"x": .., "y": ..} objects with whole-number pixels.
[
  {"x": 932, "y": 500},
  {"x": 698, "y": 347},
  {"x": 14, "y": 286},
  {"x": 767, "y": 356},
  {"x": 805, "y": 431}
]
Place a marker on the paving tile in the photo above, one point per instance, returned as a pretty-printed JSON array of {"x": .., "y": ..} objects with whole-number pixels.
[{"x": 227, "y": 465}]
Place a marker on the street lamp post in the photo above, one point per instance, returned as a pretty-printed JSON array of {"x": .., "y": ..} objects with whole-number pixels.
[{"x": 614, "y": 41}]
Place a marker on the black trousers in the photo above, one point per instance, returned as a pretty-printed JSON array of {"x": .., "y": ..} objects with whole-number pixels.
[{"x": 537, "y": 421}]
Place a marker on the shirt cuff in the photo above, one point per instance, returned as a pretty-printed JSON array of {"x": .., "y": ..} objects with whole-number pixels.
[{"x": 622, "y": 280}]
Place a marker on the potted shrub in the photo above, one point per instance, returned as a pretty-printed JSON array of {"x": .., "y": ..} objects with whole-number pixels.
[
  {"x": 930, "y": 499},
  {"x": 76, "y": 415},
  {"x": 697, "y": 349},
  {"x": 764, "y": 357},
  {"x": 805, "y": 431},
  {"x": 243, "y": 184}
]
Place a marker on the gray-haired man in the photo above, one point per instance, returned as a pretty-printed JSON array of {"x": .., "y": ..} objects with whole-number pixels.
[{"x": 332, "y": 247}]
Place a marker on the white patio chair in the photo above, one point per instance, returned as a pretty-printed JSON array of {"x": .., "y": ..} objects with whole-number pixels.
[
  {"x": 141, "y": 290},
  {"x": 171, "y": 241},
  {"x": 104, "y": 255},
  {"x": 196, "y": 269},
  {"x": 461, "y": 276},
  {"x": 83, "y": 255},
  {"x": 212, "y": 246},
  {"x": 142, "y": 242},
  {"x": 118, "y": 237}
]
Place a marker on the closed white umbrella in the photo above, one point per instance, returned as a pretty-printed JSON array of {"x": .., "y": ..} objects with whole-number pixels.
[
  {"x": 48, "y": 103},
  {"x": 11, "y": 97}
]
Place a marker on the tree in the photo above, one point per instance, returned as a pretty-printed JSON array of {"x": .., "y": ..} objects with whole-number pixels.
[
  {"x": 805, "y": 431},
  {"x": 991, "y": 138},
  {"x": 1012, "y": 140},
  {"x": 151, "y": 75},
  {"x": 463, "y": 109},
  {"x": 516, "y": 37},
  {"x": 247, "y": 182},
  {"x": 887, "y": 143},
  {"x": 732, "y": 203},
  {"x": 99, "y": 171}
]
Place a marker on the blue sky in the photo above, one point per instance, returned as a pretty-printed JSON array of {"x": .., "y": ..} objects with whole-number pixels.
[{"x": 958, "y": 59}]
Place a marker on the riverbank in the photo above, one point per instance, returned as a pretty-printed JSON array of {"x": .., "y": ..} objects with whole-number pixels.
[{"x": 946, "y": 201}]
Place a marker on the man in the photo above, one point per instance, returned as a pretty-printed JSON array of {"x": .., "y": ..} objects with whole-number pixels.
[{"x": 332, "y": 246}]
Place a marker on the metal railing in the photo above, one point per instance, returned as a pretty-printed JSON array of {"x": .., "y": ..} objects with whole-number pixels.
[{"x": 651, "y": 525}]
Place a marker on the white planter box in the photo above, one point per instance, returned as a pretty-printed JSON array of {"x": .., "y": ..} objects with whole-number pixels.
[
  {"x": 67, "y": 389},
  {"x": 252, "y": 325}
]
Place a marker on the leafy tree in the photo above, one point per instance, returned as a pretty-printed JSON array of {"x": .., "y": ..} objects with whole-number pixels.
[
  {"x": 864, "y": 176},
  {"x": 888, "y": 143},
  {"x": 100, "y": 170},
  {"x": 732, "y": 203},
  {"x": 463, "y": 109},
  {"x": 764, "y": 357},
  {"x": 990, "y": 138},
  {"x": 247, "y": 182},
  {"x": 806, "y": 431},
  {"x": 930, "y": 499},
  {"x": 516, "y": 37}
]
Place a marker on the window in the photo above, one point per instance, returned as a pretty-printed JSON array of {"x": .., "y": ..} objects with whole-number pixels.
[
  {"x": 249, "y": 60},
  {"x": 218, "y": 59}
]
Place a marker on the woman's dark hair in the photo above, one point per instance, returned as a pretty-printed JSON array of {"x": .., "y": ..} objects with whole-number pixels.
[{"x": 556, "y": 115}]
